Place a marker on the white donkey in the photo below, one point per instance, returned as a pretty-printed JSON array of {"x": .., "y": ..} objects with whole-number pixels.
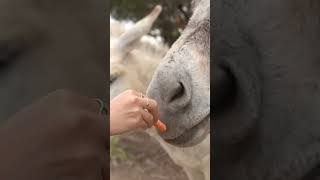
[
  {"x": 134, "y": 55},
  {"x": 181, "y": 86},
  {"x": 132, "y": 65}
]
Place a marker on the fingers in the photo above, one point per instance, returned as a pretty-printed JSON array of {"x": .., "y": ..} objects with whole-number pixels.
[
  {"x": 148, "y": 118},
  {"x": 142, "y": 124},
  {"x": 148, "y": 103},
  {"x": 133, "y": 92},
  {"x": 151, "y": 106}
]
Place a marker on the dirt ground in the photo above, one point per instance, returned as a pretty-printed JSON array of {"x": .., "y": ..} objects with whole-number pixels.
[{"x": 148, "y": 161}]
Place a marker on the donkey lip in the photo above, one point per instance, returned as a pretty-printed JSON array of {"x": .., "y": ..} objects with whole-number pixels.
[{"x": 193, "y": 135}]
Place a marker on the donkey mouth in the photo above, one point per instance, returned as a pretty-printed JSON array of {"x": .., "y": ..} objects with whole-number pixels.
[{"x": 193, "y": 135}]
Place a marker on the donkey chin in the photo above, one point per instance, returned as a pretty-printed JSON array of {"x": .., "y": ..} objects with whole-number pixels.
[
  {"x": 188, "y": 135},
  {"x": 192, "y": 136}
]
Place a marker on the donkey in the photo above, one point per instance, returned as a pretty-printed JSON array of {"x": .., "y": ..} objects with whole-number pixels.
[
  {"x": 181, "y": 86},
  {"x": 136, "y": 70},
  {"x": 134, "y": 55}
]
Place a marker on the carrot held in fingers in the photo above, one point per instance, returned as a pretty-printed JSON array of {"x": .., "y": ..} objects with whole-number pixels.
[
  {"x": 161, "y": 126},
  {"x": 158, "y": 124}
]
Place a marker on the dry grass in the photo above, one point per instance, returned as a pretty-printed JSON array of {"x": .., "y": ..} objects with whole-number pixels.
[{"x": 145, "y": 160}]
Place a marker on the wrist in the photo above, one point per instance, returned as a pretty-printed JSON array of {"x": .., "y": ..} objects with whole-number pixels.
[{"x": 115, "y": 128}]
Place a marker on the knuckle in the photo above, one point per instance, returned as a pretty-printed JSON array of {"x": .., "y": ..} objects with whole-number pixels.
[
  {"x": 141, "y": 123},
  {"x": 141, "y": 111},
  {"x": 130, "y": 91},
  {"x": 137, "y": 110},
  {"x": 134, "y": 99},
  {"x": 155, "y": 103},
  {"x": 138, "y": 120},
  {"x": 151, "y": 117}
]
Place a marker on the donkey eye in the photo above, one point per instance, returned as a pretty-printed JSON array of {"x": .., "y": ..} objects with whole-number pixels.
[{"x": 113, "y": 78}]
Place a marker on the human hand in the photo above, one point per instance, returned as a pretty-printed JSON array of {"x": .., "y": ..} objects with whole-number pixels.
[{"x": 127, "y": 112}]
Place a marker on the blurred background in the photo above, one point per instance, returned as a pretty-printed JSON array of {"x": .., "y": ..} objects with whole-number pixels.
[
  {"x": 174, "y": 16},
  {"x": 137, "y": 156}
]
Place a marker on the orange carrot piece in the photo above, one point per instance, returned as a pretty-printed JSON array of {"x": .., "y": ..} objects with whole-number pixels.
[{"x": 161, "y": 126}]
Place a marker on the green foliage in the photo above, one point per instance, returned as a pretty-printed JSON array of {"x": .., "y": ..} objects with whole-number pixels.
[
  {"x": 117, "y": 150},
  {"x": 170, "y": 20}
]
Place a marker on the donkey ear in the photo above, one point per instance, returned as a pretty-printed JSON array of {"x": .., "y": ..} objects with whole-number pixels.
[
  {"x": 116, "y": 28},
  {"x": 194, "y": 4},
  {"x": 130, "y": 38}
]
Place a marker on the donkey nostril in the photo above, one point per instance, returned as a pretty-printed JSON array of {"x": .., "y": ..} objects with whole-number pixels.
[{"x": 177, "y": 92}]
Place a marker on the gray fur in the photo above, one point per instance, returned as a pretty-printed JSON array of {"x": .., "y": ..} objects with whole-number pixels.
[{"x": 186, "y": 112}]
